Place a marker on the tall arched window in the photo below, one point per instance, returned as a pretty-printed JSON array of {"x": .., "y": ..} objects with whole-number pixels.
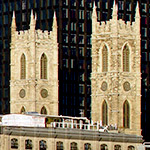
[
  {"x": 104, "y": 147},
  {"x": 87, "y": 146},
  {"x": 59, "y": 145},
  {"x": 23, "y": 67},
  {"x": 42, "y": 145},
  {"x": 104, "y": 113},
  {"x": 14, "y": 143},
  {"x": 117, "y": 147},
  {"x": 126, "y": 58},
  {"x": 131, "y": 147},
  {"x": 28, "y": 144},
  {"x": 43, "y": 110},
  {"x": 22, "y": 111},
  {"x": 126, "y": 114},
  {"x": 43, "y": 67},
  {"x": 104, "y": 59},
  {"x": 73, "y": 146}
]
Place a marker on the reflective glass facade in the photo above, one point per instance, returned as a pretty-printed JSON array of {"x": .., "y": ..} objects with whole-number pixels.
[{"x": 74, "y": 38}]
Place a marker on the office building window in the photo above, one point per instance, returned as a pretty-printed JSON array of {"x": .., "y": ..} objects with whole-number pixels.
[
  {"x": 5, "y": 7},
  {"x": 73, "y": 64},
  {"x": 65, "y": 38},
  {"x": 120, "y": 5},
  {"x": 14, "y": 143},
  {"x": 144, "y": 56},
  {"x": 73, "y": 146},
  {"x": 104, "y": 113},
  {"x": 103, "y": 147},
  {"x": 73, "y": 2},
  {"x": 23, "y": 4},
  {"x": 23, "y": 67},
  {"x": 81, "y": 64},
  {"x": 65, "y": 50},
  {"x": 89, "y": 40},
  {"x": 126, "y": 54},
  {"x": 18, "y": 5},
  {"x": 43, "y": 66},
  {"x": 73, "y": 38},
  {"x": 143, "y": 20},
  {"x": 117, "y": 147},
  {"x": 5, "y": 19},
  {"x": 65, "y": 2},
  {"x": 81, "y": 27},
  {"x": 81, "y": 51},
  {"x": 81, "y": 3},
  {"x": 81, "y": 14},
  {"x": 65, "y": 13},
  {"x": 73, "y": 26},
  {"x": 60, "y": 145},
  {"x": 87, "y": 146},
  {"x": 81, "y": 76},
  {"x": 126, "y": 115},
  {"x": 144, "y": 44},
  {"x": 105, "y": 4},
  {"x": 28, "y": 144},
  {"x": 144, "y": 32},
  {"x": 65, "y": 26},
  {"x": 81, "y": 88},
  {"x": 81, "y": 101},
  {"x": 49, "y": 2},
  {"x": 42, "y": 145},
  {"x": 65, "y": 63},
  {"x": 73, "y": 51},
  {"x": 128, "y": 6},
  {"x": 88, "y": 89},
  {"x": 104, "y": 59},
  {"x": 144, "y": 8},
  {"x": 81, "y": 39},
  {"x": 43, "y": 110}
]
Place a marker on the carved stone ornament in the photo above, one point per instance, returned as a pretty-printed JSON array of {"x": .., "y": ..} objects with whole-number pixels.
[
  {"x": 126, "y": 86},
  {"x": 44, "y": 93},
  {"x": 22, "y": 93},
  {"x": 104, "y": 86}
]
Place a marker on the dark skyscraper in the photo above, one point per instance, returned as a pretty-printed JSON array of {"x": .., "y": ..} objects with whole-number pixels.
[{"x": 74, "y": 38}]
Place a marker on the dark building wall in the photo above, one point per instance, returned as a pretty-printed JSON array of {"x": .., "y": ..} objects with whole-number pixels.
[{"x": 74, "y": 37}]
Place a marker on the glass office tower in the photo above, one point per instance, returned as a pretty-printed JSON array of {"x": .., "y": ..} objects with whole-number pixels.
[{"x": 74, "y": 38}]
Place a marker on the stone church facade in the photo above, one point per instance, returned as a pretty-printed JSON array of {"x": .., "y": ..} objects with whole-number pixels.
[
  {"x": 116, "y": 75},
  {"x": 34, "y": 69}
]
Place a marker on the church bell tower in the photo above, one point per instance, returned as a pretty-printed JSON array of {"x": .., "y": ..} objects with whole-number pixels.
[
  {"x": 116, "y": 75},
  {"x": 34, "y": 69}
]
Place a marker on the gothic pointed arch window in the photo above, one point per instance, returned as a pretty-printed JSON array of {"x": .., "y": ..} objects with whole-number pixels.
[
  {"x": 23, "y": 67},
  {"x": 104, "y": 59},
  {"x": 23, "y": 110},
  {"x": 126, "y": 60},
  {"x": 104, "y": 114},
  {"x": 126, "y": 115},
  {"x": 43, "y": 110},
  {"x": 43, "y": 66}
]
